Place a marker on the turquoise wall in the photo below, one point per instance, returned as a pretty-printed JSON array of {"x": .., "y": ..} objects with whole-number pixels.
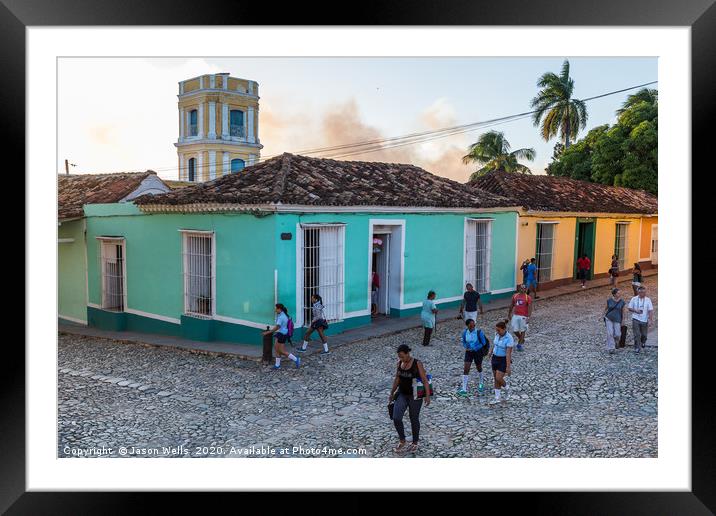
[
  {"x": 250, "y": 248},
  {"x": 71, "y": 272},
  {"x": 245, "y": 250},
  {"x": 434, "y": 254}
]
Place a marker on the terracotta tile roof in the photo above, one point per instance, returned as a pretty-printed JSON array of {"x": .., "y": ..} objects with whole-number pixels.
[
  {"x": 550, "y": 193},
  {"x": 75, "y": 190},
  {"x": 298, "y": 180}
]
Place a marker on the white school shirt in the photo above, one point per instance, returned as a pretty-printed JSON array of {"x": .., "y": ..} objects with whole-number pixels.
[{"x": 641, "y": 304}]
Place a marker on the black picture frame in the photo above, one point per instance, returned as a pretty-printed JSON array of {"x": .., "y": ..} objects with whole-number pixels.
[{"x": 700, "y": 15}]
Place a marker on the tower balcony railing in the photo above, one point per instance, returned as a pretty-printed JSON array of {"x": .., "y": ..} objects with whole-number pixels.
[{"x": 237, "y": 131}]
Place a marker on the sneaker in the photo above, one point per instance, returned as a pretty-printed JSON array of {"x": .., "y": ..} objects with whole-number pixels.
[
  {"x": 493, "y": 401},
  {"x": 298, "y": 362},
  {"x": 462, "y": 393},
  {"x": 301, "y": 350},
  {"x": 481, "y": 388},
  {"x": 519, "y": 347},
  {"x": 276, "y": 367},
  {"x": 324, "y": 352}
]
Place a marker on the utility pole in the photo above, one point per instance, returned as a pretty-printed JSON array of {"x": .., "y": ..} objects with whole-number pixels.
[{"x": 67, "y": 167}]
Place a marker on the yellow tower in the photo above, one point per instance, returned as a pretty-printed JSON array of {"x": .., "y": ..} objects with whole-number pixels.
[{"x": 218, "y": 126}]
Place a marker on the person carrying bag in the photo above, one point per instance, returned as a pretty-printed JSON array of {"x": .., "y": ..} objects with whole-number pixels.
[{"x": 613, "y": 319}]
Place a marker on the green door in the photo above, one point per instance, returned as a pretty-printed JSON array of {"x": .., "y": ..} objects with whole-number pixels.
[{"x": 584, "y": 243}]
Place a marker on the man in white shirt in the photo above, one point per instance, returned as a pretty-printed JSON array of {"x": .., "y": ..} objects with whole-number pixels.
[{"x": 642, "y": 311}]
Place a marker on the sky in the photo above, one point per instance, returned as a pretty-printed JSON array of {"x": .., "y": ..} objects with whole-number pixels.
[{"x": 120, "y": 114}]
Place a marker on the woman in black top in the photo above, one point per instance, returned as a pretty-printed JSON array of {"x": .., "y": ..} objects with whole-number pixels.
[{"x": 408, "y": 369}]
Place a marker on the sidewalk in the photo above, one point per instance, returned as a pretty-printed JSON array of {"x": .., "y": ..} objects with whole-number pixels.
[{"x": 386, "y": 326}]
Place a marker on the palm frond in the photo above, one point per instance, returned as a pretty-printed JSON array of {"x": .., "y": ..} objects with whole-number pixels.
[{"x": 528, "y": 154}]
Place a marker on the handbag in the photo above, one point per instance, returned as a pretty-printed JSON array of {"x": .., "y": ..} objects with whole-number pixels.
[
  {"x": 419, "y": 388},
  {"x": 391, "y": 405},
  {"x": 622, "y": 337}
]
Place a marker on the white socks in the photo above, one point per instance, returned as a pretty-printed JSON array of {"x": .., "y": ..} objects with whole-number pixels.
[
  {"x": 481, "y": 382},
  {"x": 464, "y": 382},
  {"x": 278, "y": 361},
  {"x": 497, "y": 394},
  {"x": 325, "y": 347},
  {"x": 292, "y": 357},
  {"x": 305, "y": 345}
]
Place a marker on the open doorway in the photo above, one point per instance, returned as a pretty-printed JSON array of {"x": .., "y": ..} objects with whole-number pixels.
[
  {"x": 585, "y": 244},
  {"x": 385, "y": 270},
  {"x": 380, "y": 280}
]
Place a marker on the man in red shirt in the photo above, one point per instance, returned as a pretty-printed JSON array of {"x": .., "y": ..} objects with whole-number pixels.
[
  {"x": 583, "y": 266},
  {"x": 519, "y": 313}
]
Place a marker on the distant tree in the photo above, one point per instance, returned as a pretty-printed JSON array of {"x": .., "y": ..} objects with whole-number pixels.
[
  {"x": 555, "y": 109},
  {"x": 644, "y": 95},
  {"x": 625, "y": 154},
  {"x": 557, "y": 150},
  {"x": 492, "y": 151}
]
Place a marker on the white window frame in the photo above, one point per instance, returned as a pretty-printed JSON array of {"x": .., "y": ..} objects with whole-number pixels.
[
  {"x": 334, "y": 303},
  {"x": 186, "y": 234},
  {"x": 104, "y": 241},
  {"x": 622, "y": 259},
  {"x": 540, "y": 279},
  {"x": 470, "y": 253}
]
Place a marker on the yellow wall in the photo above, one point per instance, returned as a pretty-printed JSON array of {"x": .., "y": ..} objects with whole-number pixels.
[
  {"x": 563, "y": 244},
  {"x": 191, "y": 85},
  {"x": 189, "y": 104},
  {"x": 604, "y": 245},
  {"x": 202, "y": 174},
  {"x": 645, "y": 249},
  {"x": 565, "y": 236}
]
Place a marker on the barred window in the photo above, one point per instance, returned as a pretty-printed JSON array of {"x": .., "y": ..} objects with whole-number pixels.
[
  {"x": 478, "y": 249},
  {"x": 112, "y": 269},
  {"x": 620, "y": 243},
  {"x": 199, "y": 295},
  {"x": 545, "y": 247},
  {"x": 322, "y": 264}
]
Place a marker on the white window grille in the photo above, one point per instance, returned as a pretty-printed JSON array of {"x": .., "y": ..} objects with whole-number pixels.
[
  {"x": 199, "y": 295},
  {"x": 545, "y": 247},
  {"x": 112, "y": 268},
  {"x": 620, "y": 244},
  {"x": 323, "y": 262},
  {"x": 478, "y": 252}
]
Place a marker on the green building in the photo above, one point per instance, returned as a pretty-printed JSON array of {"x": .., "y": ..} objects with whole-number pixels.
[{"x": 208, "y": 262}]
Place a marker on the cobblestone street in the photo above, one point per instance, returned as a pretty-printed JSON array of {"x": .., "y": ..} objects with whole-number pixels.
[{"x": 567, "y": 396}]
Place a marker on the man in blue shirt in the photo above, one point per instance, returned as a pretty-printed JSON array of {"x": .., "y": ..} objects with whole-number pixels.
[{"x": 531, "y": 282}]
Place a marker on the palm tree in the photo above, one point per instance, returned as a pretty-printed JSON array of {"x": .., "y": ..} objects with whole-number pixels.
[
  {"x": 643, "y": 95},
  {"x": 556, "y": 108},
  {"x": 492, "y": 151}
]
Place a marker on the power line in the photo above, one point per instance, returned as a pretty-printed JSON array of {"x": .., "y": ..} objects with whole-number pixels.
[
  {"x": 379, "y": 144},
  {"x": 457, "y": 129}
]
